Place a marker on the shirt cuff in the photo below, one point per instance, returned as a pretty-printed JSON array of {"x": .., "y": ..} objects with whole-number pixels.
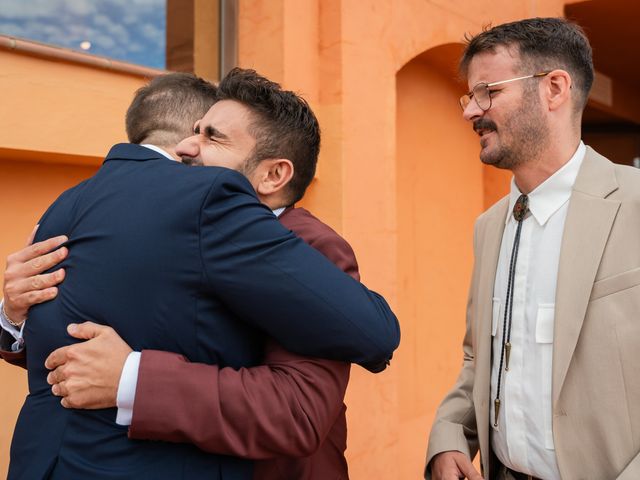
[
  {"x": 15, "y": 332},
  {"x": 127, "y": 389}
]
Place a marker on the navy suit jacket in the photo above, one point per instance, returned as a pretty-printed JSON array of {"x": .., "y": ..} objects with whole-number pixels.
[{"x": 172, "y": 257}]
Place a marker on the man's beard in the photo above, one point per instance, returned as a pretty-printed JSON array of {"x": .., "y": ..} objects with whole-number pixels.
[
  {"x": 246, "y": 168},
  {"x": 525, "y": 133}
]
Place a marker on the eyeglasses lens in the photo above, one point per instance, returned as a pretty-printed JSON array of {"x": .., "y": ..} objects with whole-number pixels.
[{"x": 481, "y": 96}]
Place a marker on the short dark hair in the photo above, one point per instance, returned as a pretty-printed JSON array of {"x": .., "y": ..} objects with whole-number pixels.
[
  {"x": 543, "y": 44},
  {"x": 284, "y": 125},
  {"x": 164, "y": 111}
]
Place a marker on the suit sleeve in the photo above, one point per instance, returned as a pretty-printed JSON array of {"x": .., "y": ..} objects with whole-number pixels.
[
  {"x": 250, "y": 259},
  {"x": 215, "y": 409},
  {"x": 283, "y": 408},
  {"x": 454, "y": 427}
]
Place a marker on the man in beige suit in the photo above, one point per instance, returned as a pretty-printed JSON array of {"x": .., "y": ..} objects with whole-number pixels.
[{"x": 550, "y": 383}]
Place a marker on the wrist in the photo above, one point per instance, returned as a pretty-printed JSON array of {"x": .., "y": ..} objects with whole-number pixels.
[{"x": 9, "y": 319}]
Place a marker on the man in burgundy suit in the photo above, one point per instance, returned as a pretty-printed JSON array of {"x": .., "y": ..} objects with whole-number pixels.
[{"x": 297, "y": 428}]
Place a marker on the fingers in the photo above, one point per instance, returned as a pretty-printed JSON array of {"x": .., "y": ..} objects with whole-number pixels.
[
  {"x": 468, "y": 470},
  {"x": 60, "y": 389},
  {"x": 20, "y": 295},
  {"x": 86, "y": 330},
  {"x": 452, "y": 465},
  {"x": 68, "y": 399},
  {"x": 26, "y": 277},
  {"x": 45, "y": 262},
  {"x": 62, "y": 355},
  {"x": 26, "y": 291},
  {"x": 38, "y": 249},
  {"x": 18, "y": 268},
  {"x": 56, "y": 358},
  {"x": 57, "y": 380}
]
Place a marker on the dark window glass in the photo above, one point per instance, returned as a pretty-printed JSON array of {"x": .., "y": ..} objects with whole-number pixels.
[{"x": 129, "y": 30}]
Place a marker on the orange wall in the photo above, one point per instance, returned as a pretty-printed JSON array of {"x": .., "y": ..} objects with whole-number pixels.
[
  {"x": 56, "y": 107},
  {"x": 27, "y": 189}
]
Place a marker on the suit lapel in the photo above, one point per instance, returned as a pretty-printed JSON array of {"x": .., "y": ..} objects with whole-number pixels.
[
  {"x": 589, "y": 219},
  {"x": 488, "y": 261}
]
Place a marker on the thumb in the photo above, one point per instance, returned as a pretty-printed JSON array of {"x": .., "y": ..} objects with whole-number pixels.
[{"x": 86, "y": 330}]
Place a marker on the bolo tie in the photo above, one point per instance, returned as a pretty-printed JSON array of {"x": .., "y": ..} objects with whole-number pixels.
[{"x": 520, "y": 210}]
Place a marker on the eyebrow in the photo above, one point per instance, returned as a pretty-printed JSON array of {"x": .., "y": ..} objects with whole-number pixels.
[{"x": 210, "y": 131}]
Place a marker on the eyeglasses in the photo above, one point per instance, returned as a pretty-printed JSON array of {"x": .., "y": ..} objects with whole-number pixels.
[{"x": 482, "y": 95}]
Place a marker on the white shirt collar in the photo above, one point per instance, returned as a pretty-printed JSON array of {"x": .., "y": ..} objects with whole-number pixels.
[
  {"x": 551, "y": 194},
  {"x": 157, "y": 149},
  {"x": 278, "y": 211}
]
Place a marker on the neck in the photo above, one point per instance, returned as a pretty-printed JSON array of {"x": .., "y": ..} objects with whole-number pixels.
[
  {"x": 529, "y": 174},
  {"x": 274, "y": 202}
]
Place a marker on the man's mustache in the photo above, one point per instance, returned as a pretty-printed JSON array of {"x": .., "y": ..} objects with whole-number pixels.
[
  {"x": 484, "y": 124},
  {"x": 192, "y": 161}
]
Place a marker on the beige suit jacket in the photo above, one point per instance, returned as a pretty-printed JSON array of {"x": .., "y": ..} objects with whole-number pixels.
[{"x": 596, "y": 349}]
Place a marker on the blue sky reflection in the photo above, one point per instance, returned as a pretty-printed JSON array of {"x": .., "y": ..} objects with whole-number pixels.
[{"x": 129, "y": 30}]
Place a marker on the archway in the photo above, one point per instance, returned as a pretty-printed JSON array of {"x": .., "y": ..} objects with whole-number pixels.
[{"x": 440, "y": 193}]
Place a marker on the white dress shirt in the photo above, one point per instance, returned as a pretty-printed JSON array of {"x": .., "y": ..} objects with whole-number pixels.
[
  {"x": 523, "y": 440},
  {"x": 159, "y": 150}
]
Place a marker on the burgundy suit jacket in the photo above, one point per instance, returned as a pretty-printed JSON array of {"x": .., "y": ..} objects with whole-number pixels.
[{"x": 288, "y": 413}]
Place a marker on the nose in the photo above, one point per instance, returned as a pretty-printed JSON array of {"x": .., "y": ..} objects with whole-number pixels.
[
  {"x": 472, "y": 111},
  {"x": 188, "y": 147}
]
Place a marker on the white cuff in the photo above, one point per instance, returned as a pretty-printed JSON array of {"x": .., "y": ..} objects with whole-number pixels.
[
  {"x": 127, "y": 389},
  {"x": 12, "y": 330}
]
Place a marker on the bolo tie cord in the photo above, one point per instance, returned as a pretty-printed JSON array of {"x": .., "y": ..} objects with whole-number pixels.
[{"x": 520, "y": 210}]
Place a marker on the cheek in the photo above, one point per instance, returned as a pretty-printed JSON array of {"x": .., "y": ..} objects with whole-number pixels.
[{"x": 216, "y": 157}]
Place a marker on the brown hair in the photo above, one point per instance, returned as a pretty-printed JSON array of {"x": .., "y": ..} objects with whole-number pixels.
[
  {"x": 163, "y": 111},
  {"x": 284, "y": 125},
  {"x": 543, "y": 44}
]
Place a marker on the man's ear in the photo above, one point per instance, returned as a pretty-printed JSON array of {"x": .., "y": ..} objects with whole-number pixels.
[
  {"x": 275, "y": 174},
  {"x": 558, "y": 87}
]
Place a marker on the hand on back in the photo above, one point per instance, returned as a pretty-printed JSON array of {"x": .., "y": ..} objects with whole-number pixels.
[
  {"x": 87, "y": 374},
  {"x": 25, "y": 284}
]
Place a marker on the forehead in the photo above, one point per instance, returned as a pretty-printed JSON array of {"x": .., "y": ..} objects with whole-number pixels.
[
  {"x": 492, "y": 66},
  {"x": 229, "y": 117}
]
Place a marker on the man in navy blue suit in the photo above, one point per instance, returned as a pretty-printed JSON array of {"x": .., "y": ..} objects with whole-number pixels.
[{"x": 149, "y": 237}]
